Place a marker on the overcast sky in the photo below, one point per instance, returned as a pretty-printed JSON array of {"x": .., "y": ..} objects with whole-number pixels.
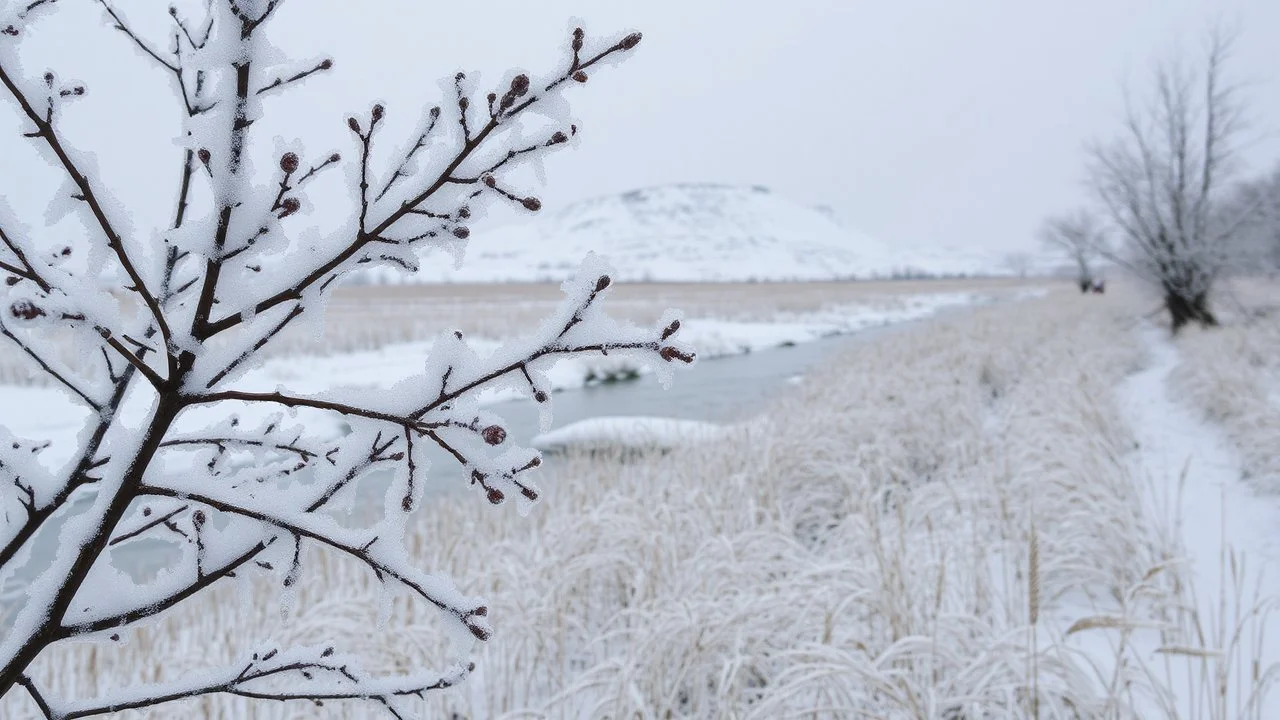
[
  {"x": 916, "y": 120},
  {"x": 922, "y": 122}
]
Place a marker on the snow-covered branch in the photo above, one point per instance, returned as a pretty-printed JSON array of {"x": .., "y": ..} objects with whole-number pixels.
[
  {"x": 317, "y": 674},
  {"x": 175, "y": 450}
]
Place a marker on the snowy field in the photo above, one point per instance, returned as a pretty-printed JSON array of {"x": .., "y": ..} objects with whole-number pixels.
[{"x": 1044, "y": 508}]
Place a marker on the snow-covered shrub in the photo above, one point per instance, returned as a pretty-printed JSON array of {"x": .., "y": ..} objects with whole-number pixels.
[{"x": 236, "y": 483}]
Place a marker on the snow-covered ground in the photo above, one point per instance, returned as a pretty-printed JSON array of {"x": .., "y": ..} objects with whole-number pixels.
[
  {"x": 1209, "y": 654},
  {"x": 628, "y": 433},
  {"x": 696, "y": 232},
  {"x": 884, "y": 548}
]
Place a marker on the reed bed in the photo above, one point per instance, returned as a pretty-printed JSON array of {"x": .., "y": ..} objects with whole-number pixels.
[{"x": 909, "y": 534}]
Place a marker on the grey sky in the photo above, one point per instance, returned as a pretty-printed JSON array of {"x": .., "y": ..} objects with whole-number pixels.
[{"x": 917, "y": 121}]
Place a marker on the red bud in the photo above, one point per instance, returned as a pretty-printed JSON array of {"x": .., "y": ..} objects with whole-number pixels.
[
  {"x": 289, "y": 163},
  {"x": 494, "y": 435},
  {"x": 670, "y": 354},
  {"x": 26, "y": 310}
]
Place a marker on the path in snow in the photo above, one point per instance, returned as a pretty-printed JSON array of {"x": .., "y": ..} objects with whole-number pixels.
[{"x": 1216, "y": 506}]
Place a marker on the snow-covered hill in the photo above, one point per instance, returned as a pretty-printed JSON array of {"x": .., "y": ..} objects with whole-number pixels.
[{"x": 694, "y": 232}]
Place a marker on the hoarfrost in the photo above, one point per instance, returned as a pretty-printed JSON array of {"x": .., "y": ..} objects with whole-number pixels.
[{"x": 177, "y": 450}]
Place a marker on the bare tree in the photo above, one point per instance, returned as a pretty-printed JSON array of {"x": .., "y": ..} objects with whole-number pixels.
[
  {"x": 1163, "y": 181},
  {"x": 1080, "y": 237},
  {"x": 168, "y": 327}
]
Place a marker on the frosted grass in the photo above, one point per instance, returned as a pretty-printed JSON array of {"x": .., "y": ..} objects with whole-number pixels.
[{"x": 910, "y": 534}]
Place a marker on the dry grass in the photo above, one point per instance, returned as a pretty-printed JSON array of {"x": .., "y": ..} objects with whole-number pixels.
[
  {"x": 868, "y": 551},
  {"x": 1232, "y": 374}
]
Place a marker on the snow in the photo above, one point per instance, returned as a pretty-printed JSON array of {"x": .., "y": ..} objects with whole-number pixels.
[
  {"x": 1195, "y": 472},
  {"x": 632, "y": 433},
  {"x": 695, "y": 233}
]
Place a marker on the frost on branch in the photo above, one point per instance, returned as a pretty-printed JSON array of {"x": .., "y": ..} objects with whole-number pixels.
[{"x": 167, "y": 321}]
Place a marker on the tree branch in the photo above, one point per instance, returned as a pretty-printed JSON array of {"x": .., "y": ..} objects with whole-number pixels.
[
  {"x": 300, "y": 665},
  {"x": 469, "y": 147},
  {"x": 358, "y": 545},
  {"x": 49, "y": 370},
  {"x": 30, "y": 685},
  {"x": 46, "y": 132}
]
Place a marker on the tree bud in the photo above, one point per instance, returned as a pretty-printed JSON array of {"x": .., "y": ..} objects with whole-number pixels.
[
  {"x": 670, "y": 354},
  {"x": 520, "y": 85},
  {"x": 494, "y": 435},
  {"x": 26, "y": 310}
]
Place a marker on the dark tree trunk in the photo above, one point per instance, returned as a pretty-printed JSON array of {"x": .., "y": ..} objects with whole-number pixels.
[
  {"x": 1085, "y": 286},
  {"x": 1185, "y": 310}
]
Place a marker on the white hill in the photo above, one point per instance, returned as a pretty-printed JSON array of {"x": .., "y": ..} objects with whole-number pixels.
[{"x": 693, "y": 232}]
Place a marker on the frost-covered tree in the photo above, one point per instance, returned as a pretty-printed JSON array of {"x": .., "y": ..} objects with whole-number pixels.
[
  {"x": 168, "y": 322},
  {"x": 1164, "y": 179},
  {"x": 1079, "y": 236}
]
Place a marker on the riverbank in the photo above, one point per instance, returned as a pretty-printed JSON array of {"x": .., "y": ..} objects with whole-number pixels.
[
  {"x": 301, "y": 364},
  {"x": 949, "y": 520}
]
